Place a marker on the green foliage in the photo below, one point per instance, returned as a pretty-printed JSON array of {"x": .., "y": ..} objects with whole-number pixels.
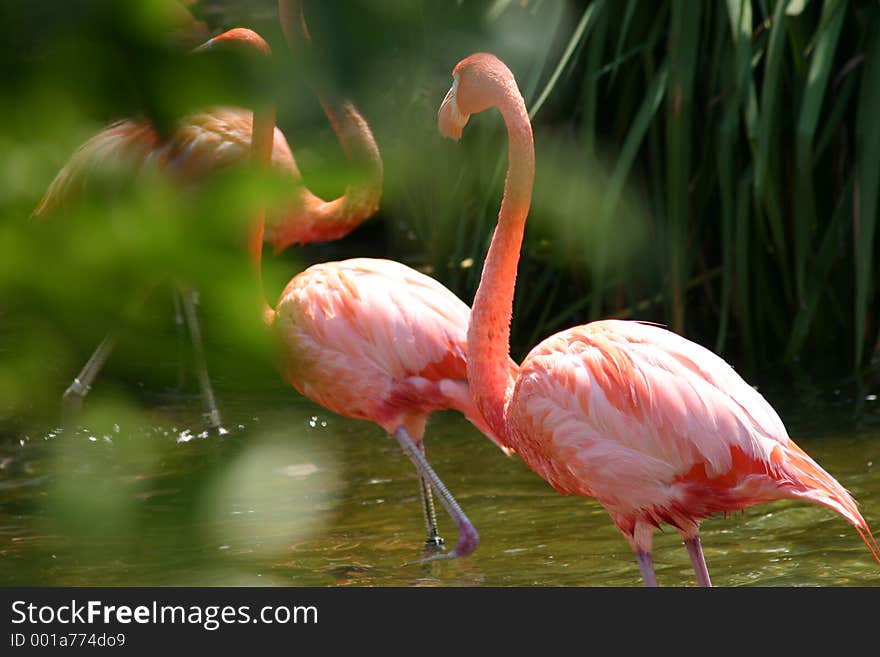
[{"x": 741, "y": 136}]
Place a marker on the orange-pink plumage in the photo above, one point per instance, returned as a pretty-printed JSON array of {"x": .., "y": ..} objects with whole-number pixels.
[
  {"x": 657, "y": 429},
  {"x": 212, "y": 140},
  {"x": 376, "y": 340}
]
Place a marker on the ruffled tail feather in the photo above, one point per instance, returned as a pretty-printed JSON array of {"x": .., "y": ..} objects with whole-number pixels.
[{"x": 820, "y": 487}]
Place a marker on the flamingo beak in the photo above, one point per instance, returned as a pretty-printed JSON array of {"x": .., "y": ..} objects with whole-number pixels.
[
  {"x": 207, "y": 45},
  {"x": 450, "y": 120}
]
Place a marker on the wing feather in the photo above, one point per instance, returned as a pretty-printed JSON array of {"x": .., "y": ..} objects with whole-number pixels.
[
  {"x": 378, "y": 311},
  {"x": 203, "y": 142},
  {"x": 632, "y": 407}
]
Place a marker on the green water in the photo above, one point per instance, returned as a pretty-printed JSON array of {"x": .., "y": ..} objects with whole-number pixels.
[{"x": 296, "y": 496}]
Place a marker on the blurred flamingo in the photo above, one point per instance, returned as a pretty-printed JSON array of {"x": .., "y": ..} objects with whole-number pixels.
[
  {"x": 657, "y": 428},
  {"x": 204, "y": 143}
]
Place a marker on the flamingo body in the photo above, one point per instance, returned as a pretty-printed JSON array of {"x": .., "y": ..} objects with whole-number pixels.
[
  {"x": 376, "y": 340},
  {"x": 203, "y": 143},
  {"x": 658, "y": 429}
]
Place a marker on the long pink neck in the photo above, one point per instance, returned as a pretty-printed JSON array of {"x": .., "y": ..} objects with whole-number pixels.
[
  {"x": 361, "y": 198},
  {"x": 489, "y": 331},
  {"x": 319, "y": 220},
  {"x": 262, "y": 135}
]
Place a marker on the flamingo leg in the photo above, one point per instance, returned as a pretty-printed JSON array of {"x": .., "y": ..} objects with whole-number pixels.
[
  {"x": 434, "y": 541},
  {"x": 211, "y": 413},
  {"x": 181, "y": 337},
  {"x": 646, "y": 566},
  {"x": 468, "y": 538},
  {"x": 72, "y": 399},
  {"x": 695, "y": 550}
]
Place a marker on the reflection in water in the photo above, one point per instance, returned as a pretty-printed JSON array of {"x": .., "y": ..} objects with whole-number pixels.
[{"x": 295, "y": 496}]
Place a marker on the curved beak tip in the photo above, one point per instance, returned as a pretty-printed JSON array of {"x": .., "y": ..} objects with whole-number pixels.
[
  {"x": 207, "y": 45},
  {"x": 450, "y": 120}
]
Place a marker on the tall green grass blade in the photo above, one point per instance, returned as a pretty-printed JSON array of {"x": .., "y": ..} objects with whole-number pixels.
[
  {"x": 767, "y": 153},
  {"x": 817, "y": 278},
  {"x": 590, "y": 84},
  {"x": 625, "y": 160},
  {"x": 543, "y": 289},
  {"x": 739, "y": 14},
  {"x": 727, "y": 188},
  {"x": 743, "y": 254},
  {"x": 814, "y": 95},
  {"x": 832, "y": 123},
  {"x": 795, "y": 7},
  {"x": 684, "y": 42},
  {"x": 555, "y": 15},
  {"x": 621, "y": 37},
  {"x": 868, "y": 157},
  {"x": 580, "y": 33}
]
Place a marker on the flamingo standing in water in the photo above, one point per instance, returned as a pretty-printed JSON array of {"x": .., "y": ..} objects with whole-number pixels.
[
  {"x": 209, "y": 141},
  {"x": 657, "y": 428},
  {"x": 376, "y": 340},
  {"x": 373, "y": 339}
]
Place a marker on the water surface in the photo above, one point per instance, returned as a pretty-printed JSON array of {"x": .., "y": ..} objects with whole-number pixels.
[{"x": 293, "y": 495}]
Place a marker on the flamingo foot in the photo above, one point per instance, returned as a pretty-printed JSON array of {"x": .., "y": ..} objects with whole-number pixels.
[
  {"x": 468, "y": 538},
  {"x": 468, "y": 541},
  {"x": 212, "y": 422}
]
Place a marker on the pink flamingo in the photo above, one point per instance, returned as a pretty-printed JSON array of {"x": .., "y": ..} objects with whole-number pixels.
[
  {"x": 373, "y": 339},
  {"x": 206, "y": 142},
  {"x": 657, "y": 428}
]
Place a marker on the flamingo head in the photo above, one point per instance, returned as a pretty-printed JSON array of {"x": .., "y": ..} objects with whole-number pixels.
[
  {"x": 238, "y": 37},
  {"x": 476, "y": 82}
]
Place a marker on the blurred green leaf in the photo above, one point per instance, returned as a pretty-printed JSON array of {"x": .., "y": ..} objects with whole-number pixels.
[{"x": 812, "y": 100}]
